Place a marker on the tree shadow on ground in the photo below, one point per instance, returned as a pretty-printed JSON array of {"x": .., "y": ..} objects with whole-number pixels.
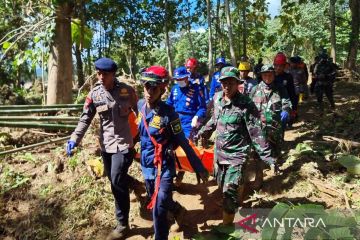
[{"x": 27, "y": 216}]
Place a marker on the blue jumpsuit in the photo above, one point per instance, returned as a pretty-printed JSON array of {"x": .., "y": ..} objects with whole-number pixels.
[
  {"x": 215, "y": 85},
  {"x": 198, "y": 79},
  {"x": 164, "y": 126},
  {"x": 188, "y": 102}
]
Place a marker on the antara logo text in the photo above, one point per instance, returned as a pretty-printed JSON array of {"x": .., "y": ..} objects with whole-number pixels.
[{"x": 249, "y": 223}]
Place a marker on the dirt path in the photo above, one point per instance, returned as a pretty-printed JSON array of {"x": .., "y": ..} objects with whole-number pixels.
[{"x": 53, "y": 203}]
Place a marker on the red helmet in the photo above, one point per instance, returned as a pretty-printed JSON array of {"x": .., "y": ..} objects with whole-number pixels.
[
  {"x": 191, "y": 63},
  {"x": 280, "y": 58},
  {"x": 155, "y": 75}
]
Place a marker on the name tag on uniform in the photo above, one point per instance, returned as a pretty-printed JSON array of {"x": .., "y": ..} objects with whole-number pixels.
[
  {"x": 155, "y": 122},
  {"x": 102, "y": 108}
]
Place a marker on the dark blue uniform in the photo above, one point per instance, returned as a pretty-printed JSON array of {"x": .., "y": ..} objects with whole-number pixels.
[
  {"x": 198, "y": 79},
  {"x": 164, "y": 126},
  {"x": 287, "y": 81},
  {"x": 215, "y": 85},
  {"x": 188, "y": 102}
]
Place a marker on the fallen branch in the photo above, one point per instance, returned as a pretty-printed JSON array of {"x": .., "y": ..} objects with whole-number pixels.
[
  {"x": 348, "y": 142},
  {"x": 325, "y": 189},
  {"x": 34, "y": 145}
]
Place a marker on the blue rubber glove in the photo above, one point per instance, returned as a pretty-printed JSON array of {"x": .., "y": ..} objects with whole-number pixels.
[
  {"x": 70, "y": 146},
  {"x": 284, "y": 116}
]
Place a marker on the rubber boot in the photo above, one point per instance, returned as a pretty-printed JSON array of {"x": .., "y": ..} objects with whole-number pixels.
[
  {"x": 179, "y": 178},
  {"x": 228, "y": 218},
  {"x": 179, "y": 215},
  {"x": 301, "y": 98}
]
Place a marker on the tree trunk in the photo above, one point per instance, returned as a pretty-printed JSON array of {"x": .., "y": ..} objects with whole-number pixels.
[
  {"x": 60, "y": 59},
  {"x": 79, "y": 67},
  {"x": 332, "y": 30},
  {"x": 354, "y": 35},
  {"x": 188, "y": 28},
  {"x": 167, "y": 40},
  {"x": 217, "y": 27},
  {"x": 244, "y": 31},
  {"x": 210, "y": 59},
  {"x": 229, "y": 25}
]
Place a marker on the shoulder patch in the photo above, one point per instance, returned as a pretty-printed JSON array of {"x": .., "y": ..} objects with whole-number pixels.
[
  {"x": 88, "y": 101},
  {"x": 176, "y": 126}
]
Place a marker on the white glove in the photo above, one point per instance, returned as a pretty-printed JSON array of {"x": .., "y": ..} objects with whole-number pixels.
[{"x": 194, "y": 122}]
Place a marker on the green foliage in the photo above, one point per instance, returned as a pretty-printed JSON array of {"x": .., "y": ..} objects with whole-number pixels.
[
  {"x": 81, "y": 37},
  {"x": 73, "y": 161},
  {"x": 351, "y": 162},
  {"x": 9, "y": 179}
]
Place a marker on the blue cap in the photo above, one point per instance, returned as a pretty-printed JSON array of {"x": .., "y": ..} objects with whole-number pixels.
[
  {"x": 105, "y": 64},
  {"x": 220, "y": 60},
  {"x": 181, "y": 72}
]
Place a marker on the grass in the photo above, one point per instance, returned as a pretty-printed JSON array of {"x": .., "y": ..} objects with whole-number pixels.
[{"x": 9, "y": 179}]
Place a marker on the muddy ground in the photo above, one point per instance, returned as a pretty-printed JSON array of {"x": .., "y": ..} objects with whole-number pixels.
[{"x": 45, "y": 195}]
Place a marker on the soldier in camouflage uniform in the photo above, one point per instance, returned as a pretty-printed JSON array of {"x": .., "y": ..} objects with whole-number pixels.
[
  {"x": 274, "y": 105},
  {"x": 324, "y": 72},
  {"x": 237, "y": 124},
  {"x": 113, "y": 101}
]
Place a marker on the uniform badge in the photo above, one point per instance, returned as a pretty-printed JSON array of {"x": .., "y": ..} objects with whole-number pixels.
[
  {"x": 124, "y": 92},
  {"x": 176, "y": 126},
  {"x": 187, "y": 103},
  {"x": 88, "y": 101},
  {"x": 155, "y": 122}
]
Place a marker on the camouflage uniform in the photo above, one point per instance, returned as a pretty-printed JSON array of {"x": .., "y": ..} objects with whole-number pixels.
[
  {"x": 237, "y": 125},
  {"x": 271, "y": 100}
]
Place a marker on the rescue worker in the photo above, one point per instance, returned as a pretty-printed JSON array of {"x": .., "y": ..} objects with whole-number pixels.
[
  {"x": 237, "y": 124},
  {"x": 324, "y": 73},
  {"x": 300, "y": 76},
  {"x": 247, "y": 83},
  {"x": 160, "y": 133},
  {"x": 113, "y": 101},
  {"x": 313, "y": 78},
  {"x": 215, "y": 85},
  {"x": 188, "y": 100},
  {"x": 285, "y": 79},
  {"x": 257, "y": 69},
  {"x": 274, "y": 105},
  {"x": 196, "y": 78}
]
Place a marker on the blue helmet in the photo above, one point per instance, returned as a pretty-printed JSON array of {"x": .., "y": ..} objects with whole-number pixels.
[
  {"x": 181, "y": 72},
  {"x": 220, "y": 60}
]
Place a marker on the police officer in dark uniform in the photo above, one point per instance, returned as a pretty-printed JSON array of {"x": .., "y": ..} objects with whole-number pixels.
[
  {"x": 160, "y": 133},
  {"x": 324, "y": 73},
  {"x": 113, "y": 101}
]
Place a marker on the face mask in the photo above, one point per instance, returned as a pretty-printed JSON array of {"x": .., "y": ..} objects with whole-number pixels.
[{"x": 181, "y": 83}]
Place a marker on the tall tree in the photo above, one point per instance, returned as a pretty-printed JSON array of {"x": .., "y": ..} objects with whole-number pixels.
[
  {"x": 210, "y": 56},
  {"x": 60, "y": 61},
  {"x": 167, "y": 38},
  {"x": 354, "y": 36},
  {"x": 230, "y": 35},
  {"x": 332, "y": 29}
]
